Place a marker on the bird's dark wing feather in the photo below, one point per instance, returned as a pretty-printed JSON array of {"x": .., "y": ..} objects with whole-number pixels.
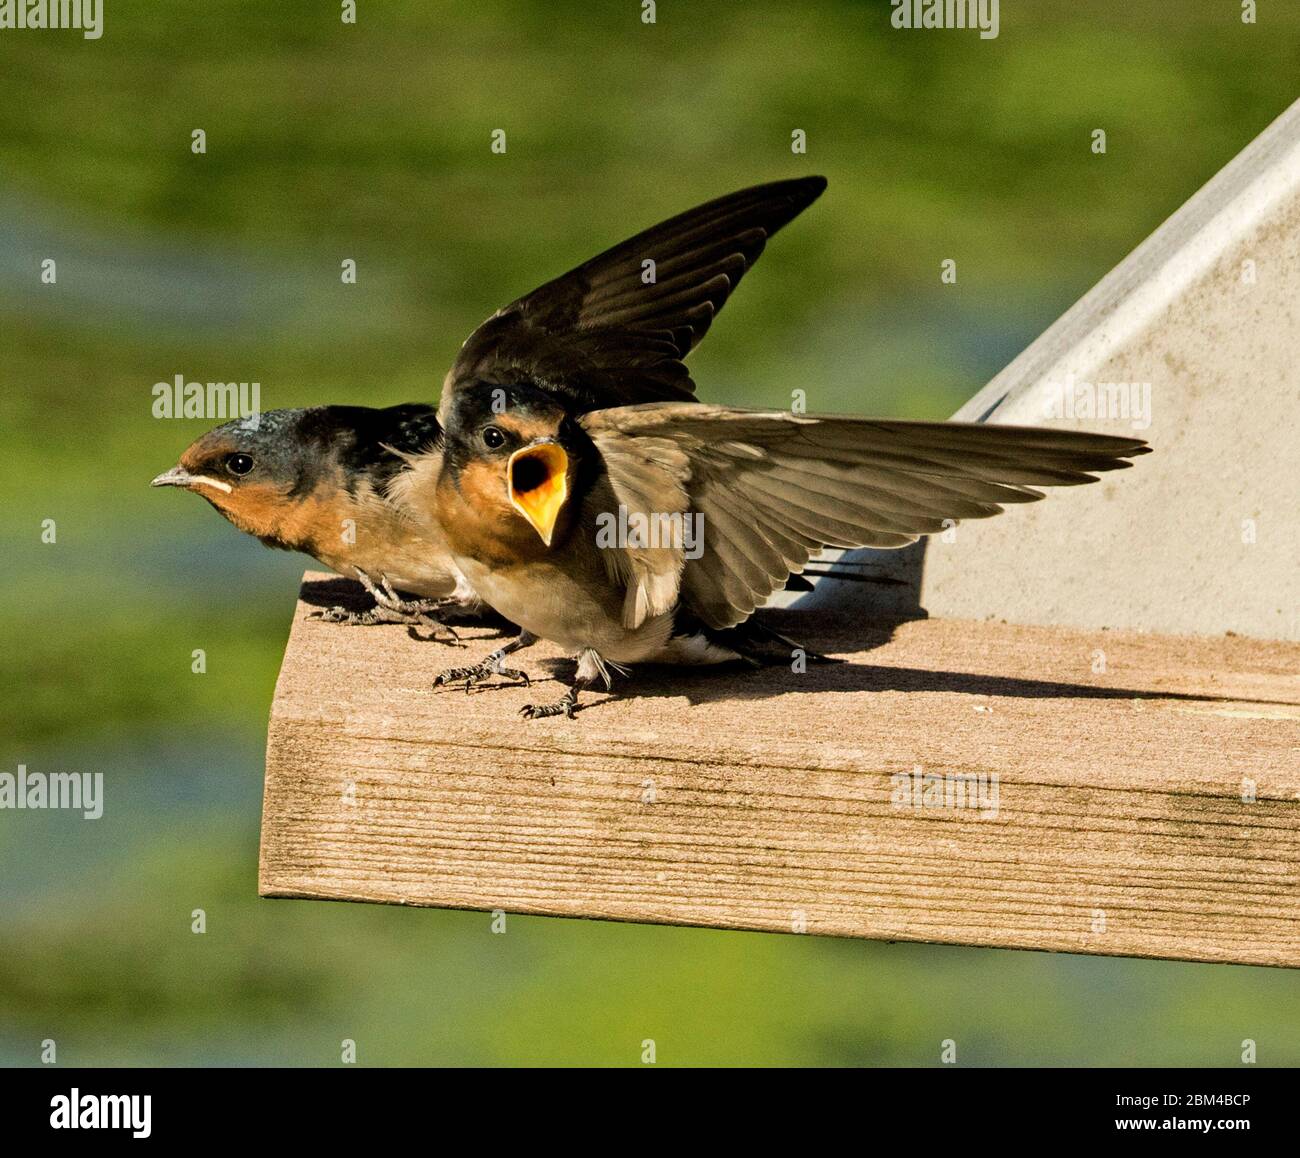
[
  {"x": 602, "y": 335},
  {"x": 774, "y": 488}
]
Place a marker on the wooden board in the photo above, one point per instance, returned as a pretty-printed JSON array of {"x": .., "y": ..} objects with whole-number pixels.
[{"x": 1147, "y": 787}]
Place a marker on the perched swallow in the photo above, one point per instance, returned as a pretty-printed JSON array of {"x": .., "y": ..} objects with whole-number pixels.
[
  {"x": 319, "y": 481},
  {"x": 529, "y": 493},
  {"x": 345, "y": 484}
]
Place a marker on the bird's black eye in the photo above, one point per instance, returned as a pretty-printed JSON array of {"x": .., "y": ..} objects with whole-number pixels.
[
  {"x": 239, "y": 463},
  {"x": 493, "y": 438}
]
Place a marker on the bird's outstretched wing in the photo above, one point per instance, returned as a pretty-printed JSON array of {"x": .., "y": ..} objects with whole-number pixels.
[
  {"x": 774, "y": 488},
  {"x": 615, "y": 330}
]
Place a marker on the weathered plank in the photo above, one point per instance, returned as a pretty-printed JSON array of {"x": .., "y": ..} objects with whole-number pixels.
[{"x": 1151, "y": 808}]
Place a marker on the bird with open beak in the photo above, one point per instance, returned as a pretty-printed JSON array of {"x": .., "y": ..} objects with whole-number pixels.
[
  {"x": 528, "y": 491},
  {"x": 344, "y": 484}
]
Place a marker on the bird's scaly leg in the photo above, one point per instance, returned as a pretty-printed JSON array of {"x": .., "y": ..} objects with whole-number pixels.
[
  {"x": 591, "y": 667},
  {"x": 493, "y": 665},
  {"x": 389, "y": 608}
]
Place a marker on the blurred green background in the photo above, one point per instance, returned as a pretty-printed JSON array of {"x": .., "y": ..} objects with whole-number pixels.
[{"x": 328, "y": 141}]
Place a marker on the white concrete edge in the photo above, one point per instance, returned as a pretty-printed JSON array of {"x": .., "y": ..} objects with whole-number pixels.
[
  {"x": 1101, "y": 323},
  {"x": 1163, "y": 267}
]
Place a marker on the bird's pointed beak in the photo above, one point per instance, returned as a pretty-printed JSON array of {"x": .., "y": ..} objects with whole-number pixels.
[
  {"x": 538, "y": 478},
  {"x": 178, "y": 476}
]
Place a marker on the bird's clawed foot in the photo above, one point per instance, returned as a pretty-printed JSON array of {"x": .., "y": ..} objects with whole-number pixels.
[
  {"x": 563, "y": 707},
  {"x": 390, "y": 608},
  {"x": 591, "y": 667},
  {"x": 493, "y": 665},
  {"x": 479, "y": 672}
]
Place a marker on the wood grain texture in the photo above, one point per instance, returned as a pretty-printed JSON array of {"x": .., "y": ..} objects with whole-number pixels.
[{"x": 769, "y": 800}]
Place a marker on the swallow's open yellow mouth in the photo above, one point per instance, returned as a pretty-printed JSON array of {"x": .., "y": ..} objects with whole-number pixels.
[{"x": 539, "y": 484}]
